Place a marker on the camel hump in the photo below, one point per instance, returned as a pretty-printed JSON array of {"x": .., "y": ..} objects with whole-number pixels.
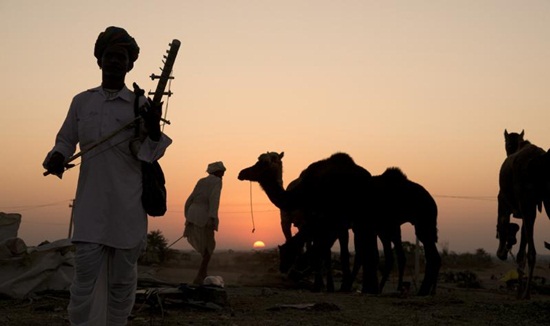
[
  {"x": 345, "y": 161},
  {"x": 341, "y": 158},
  {"x": 395, "y": 174}
]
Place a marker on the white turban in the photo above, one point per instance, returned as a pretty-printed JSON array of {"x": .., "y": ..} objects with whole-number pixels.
[{"x": 215, "y": 167}]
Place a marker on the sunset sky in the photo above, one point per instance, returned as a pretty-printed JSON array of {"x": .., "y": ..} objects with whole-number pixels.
[{"x": 428, "y": 86}]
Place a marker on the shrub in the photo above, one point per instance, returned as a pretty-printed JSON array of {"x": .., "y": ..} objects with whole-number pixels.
[
  {"x": 479, "y": 259},
  {"x": 157, "y": 249}
]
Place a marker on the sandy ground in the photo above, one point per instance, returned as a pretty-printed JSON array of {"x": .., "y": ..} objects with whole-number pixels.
[{"x": 256, "y": 293}]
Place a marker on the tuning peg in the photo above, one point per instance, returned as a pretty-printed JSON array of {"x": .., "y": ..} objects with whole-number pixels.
[{"x": 167, "y": 93}]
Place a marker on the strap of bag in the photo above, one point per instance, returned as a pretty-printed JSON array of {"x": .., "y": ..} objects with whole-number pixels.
[{"x": 138, "y": 94}]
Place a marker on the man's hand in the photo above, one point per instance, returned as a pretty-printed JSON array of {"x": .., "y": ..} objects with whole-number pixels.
[
  {"x": 151, "y": 116},
  {"x": 216, "y": 224},
  {"x": 213, "y": 223},
  {"x": 56, "y": 164}
]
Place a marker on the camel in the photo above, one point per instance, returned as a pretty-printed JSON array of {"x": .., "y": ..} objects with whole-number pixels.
[
  {"x": 289, "y": 218},
  {"x": 329, "y": 194},
  {"x": 386, "y": 238},
  {"x": 338, "y": 194},
  {"x": 299, "y": 264},
  {"x": 524, "y": 186},
  {"x": 291, "y": 251},
  {"x": 295, "y": 262},
  {"x": 397, "y": 200}
]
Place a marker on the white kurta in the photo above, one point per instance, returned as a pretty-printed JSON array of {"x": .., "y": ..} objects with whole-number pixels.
[
  {"x": 108, "y": 206},
  {"x": 203, "y": 203}
]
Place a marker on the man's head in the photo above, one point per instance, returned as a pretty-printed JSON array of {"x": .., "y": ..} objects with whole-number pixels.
[
  {"x": 216, "y": 168},
  {"x": 114, "y": 41}
]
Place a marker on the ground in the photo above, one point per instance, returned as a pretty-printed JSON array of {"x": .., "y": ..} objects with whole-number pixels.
[{"x": 257, "y": 294}]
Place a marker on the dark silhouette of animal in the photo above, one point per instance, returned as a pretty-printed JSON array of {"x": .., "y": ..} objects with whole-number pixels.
[
  {"x": 294, "y": 259},
  {"x": 524, "y": 186},
  {"x": 396, "y": 200},
  {"x": 329, "y": 194},
  {"x": 338, "y": 194},
  {"x": 300, "y": 264},
  {"x": 513, "y": 141},
  {"x": 387, "y": 237},
  {"x": 294, "y": 217}
]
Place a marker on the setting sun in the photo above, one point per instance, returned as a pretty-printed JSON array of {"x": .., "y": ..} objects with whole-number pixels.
[{"x": 259, "y": 244}]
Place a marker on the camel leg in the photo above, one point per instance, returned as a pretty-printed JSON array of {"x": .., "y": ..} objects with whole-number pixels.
[
  {"x": 531, "y": 262},
  {"x": 357, "y": 261},
  {"x": 328, "y": 271},
  {"x": 522, "y": 246},
  {"x": 529, "y": 224},
  {"x": 433, "y": 263},
  {"x": 286, "y": 227},
  {"x": 388, "y": 260},
  {"x": 401, "y": 260},
  {"x": 322, "y": 262},
  {"x": 521, "y": 260},
  {"x": 328, "y": 242},
  {"x": 318, "y": 258},
  {"x": 343, "y": 240},
  {"x": 370, "y": 260}
]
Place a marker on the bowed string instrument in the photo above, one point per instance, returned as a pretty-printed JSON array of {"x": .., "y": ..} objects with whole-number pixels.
[{"x": 163, "y": 79}]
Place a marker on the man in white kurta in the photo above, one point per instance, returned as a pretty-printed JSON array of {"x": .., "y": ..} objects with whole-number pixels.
[
  {"x": 201, "y": 216},
  {"x": 110, "y": 224}
]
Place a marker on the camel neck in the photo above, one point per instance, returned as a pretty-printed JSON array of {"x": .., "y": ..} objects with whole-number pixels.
[{"x": 276, "y": 194}]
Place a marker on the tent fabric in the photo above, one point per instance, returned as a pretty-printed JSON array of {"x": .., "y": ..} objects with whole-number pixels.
[
  {"x": 47, "y": 267},
  {"x": 25, "y": 271},
  {"x": 9, "y": 225}
]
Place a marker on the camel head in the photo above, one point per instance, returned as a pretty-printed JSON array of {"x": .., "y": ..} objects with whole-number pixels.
[
  {"x": 506, "y": 235},
  {"x": 512, "y": 141},
  {"x": 291, "y": 254},
  {"x": 268, "y": 168}
]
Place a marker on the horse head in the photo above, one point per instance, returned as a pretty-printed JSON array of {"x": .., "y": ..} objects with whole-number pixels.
[
  {"x": 268, "y": 167},
  {"x": 512, "y": 141}
]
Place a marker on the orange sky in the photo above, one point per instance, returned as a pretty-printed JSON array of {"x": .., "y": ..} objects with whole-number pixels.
[{"x": 427, "y": 86}]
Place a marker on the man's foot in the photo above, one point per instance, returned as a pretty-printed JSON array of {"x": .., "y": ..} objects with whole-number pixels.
[{"x": 199, "y": 280}]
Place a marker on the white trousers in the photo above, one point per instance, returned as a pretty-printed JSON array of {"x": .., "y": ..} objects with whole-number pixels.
[{"x": 104, "y": 285}]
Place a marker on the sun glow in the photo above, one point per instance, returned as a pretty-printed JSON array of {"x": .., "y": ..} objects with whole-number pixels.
[{"x": 259, "y": 244}]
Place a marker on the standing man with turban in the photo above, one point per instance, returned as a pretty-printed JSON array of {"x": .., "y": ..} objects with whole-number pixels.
[
  {"x": 201, "y": 216},
  {"x": 110, "y": 224}
]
